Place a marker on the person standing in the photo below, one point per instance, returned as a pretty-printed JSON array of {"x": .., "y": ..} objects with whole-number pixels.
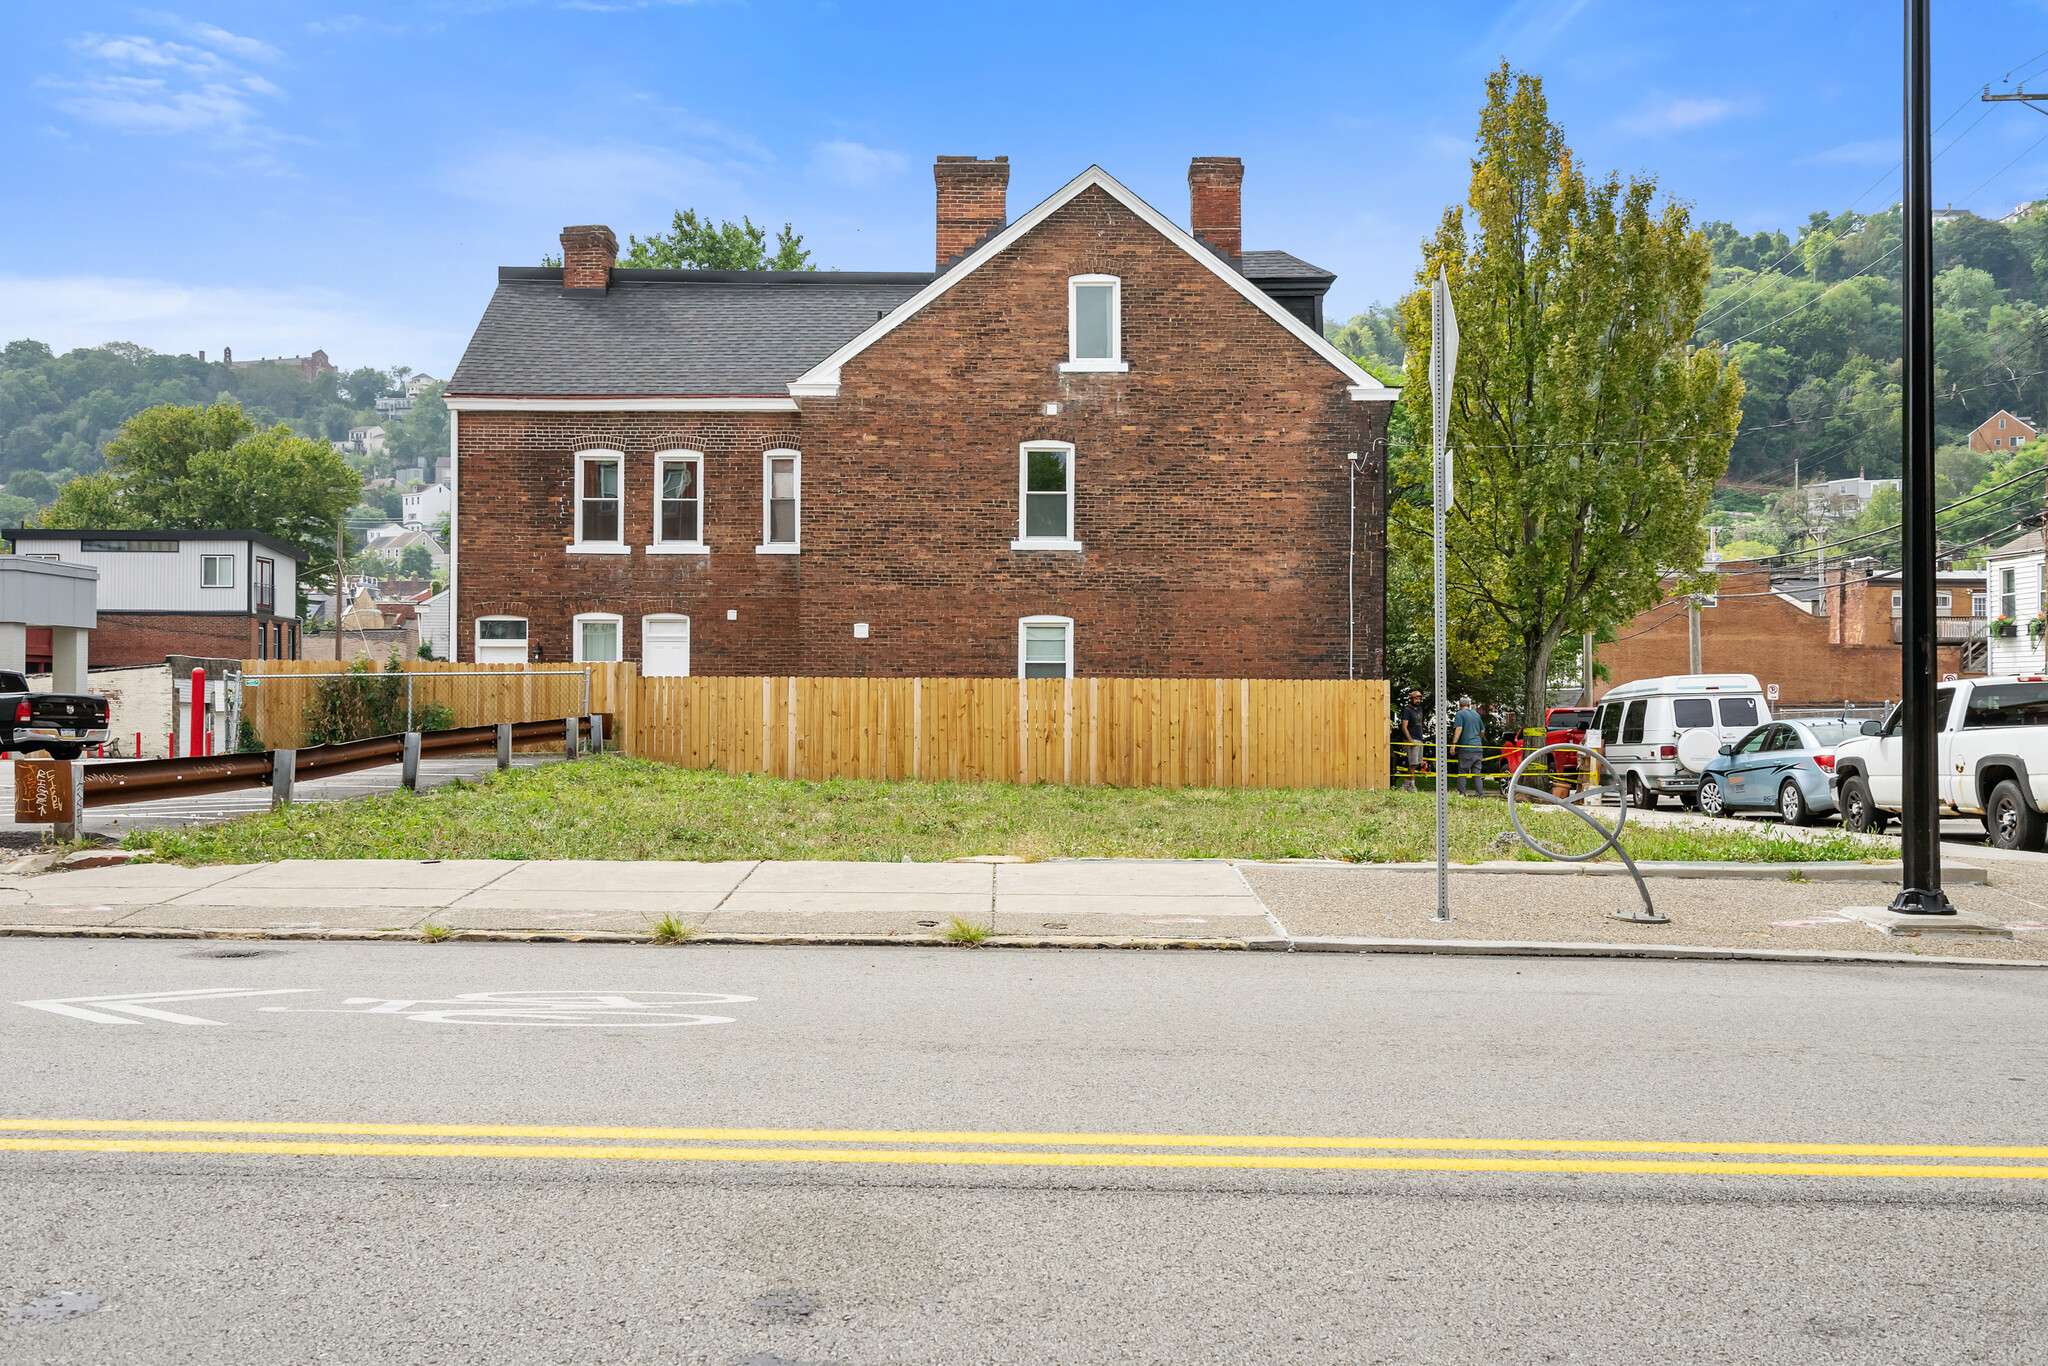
[
  {"x": 1468, "y": 738},
  {"x": 1414, "y": 725}
]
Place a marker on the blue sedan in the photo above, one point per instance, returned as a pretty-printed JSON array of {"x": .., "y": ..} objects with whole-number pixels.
[{"x": 1787, "y": 766}]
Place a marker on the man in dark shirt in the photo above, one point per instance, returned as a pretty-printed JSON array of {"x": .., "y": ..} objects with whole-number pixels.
[{"x": 1414, "y": 726}]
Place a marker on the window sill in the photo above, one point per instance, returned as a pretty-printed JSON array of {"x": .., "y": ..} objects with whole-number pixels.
[
  {"x": 1094, "y": 367},
  {"x": 1041, "y": 543},
  {"x": 678, "y": 548},
  {"x": 778, "y": 550},
  {"x": 601, "y": 548}
]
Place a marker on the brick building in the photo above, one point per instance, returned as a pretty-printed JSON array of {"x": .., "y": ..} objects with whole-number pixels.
[
  {"x": 2002, "y": 431},
  {"x": 1821, "y": 642},
  {"x": 1090, "y": 442},
  {"x": 230, "y": 594}
]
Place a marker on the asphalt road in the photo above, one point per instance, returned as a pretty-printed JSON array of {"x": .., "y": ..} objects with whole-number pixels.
[{"x": 952, "y": 1156}]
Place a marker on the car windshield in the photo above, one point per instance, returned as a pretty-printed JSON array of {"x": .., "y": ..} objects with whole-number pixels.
[
  {"x": 1562, "y": 719},
  {"x": 1826, "y": 733}
]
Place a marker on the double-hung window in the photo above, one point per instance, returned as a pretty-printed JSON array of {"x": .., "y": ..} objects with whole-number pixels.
[
  {"x": 1045, "y": 647},
  {"x": 678, "y": 504},
  {"x": 216, "y": 571},
  {"x": 1095, "y": 324},
  {"x": 781, "y": 503},
  {"x": 2008, "y": 594},
  {"x": 598, "y": 512},
  {"x": 1046, "y": 496},
  {"x": 266, "y": 585}
]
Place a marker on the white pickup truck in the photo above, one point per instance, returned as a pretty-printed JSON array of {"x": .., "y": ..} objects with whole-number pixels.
[{"x": 1991, "y": 755}]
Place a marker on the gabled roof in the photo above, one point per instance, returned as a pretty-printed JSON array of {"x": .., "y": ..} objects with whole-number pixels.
[
  {"x": 822, "y": 380},
  {"x": 2030, "y": 544},
  {"x": 1280, "y": 265},
  {"x": 667, "y": 333}
]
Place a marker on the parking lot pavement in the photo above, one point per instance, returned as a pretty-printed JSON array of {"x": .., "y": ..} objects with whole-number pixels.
[{"x": 112, "y": 822}]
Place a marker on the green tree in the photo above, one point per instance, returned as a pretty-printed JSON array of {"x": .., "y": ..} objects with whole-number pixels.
[
  {"x": 416, "y": 562},
  {"x": 1373, "y": 338},
  {"x": 421, "y": 436},
  {"x": 1588, "y": 433},
  {"x": 693, "y": 243},
  {"x": 192, "y": 468}
]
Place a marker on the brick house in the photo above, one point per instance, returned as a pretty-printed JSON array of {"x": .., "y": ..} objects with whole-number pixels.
[
  {"x": 2002, "y": 431},
  {"x": 1090, "y": 442}
]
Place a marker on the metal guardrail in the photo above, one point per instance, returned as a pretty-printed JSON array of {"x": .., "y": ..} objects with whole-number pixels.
[{"x": 120, "y": 782}]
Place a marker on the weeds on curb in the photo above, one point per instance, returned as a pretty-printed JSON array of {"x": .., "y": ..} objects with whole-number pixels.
[
  {"x": 669, "y": 930},
  {"x": 434, "y": 934},
  {"x": 1797, "y": 875},
  {"x": 965, "y": 932}
]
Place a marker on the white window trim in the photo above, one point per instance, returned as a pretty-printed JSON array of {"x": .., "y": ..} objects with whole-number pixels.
[
  {"x": 1029, "y": 542},
  {"x": 580, "y": 546},
  {"x": 202, "y": 570},
  {"x": 796, "y": 546},
  {"x": 1023, "y": 622},
  {"x": 688, "y": 642},
  {"x": 657, "y": 546},
  {"x": 1116, "y": 364},
  {"x": 477, "y": 641},
  {"x": 576, "y": 624}
]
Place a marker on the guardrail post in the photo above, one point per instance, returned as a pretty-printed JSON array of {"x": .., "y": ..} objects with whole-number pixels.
[
  {"x": 596, "y": 733},
  {"x": 67, "y": 832},
  {"x": 569, "y": 744},
  {"x": 504, "y": 745},
  {"x": 409, "y": 770},
  {"x": 284, "y": 774}
]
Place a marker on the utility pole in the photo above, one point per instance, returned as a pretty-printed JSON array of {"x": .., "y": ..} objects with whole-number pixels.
[
  {"x": 1692, "y": 631},
  {"x": 1921, "y": 894},
  {"x": 1586, "y": 665},
  {"x": 340, "y": 554},
  {"x": 1443, "y": 370}
]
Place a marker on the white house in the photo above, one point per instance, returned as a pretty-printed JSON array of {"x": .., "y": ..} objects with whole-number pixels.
[
  {"x": 2014, "y": 587},
  {"x": 426, "y": 505}
]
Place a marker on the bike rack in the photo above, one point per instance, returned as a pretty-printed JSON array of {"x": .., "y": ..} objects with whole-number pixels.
[{"x": 1576, "y": 805}]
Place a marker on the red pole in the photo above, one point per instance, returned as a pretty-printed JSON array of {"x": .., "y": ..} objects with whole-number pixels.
[
  {"x": 198, "y": 713},
  {"x": 138, "y": 744}
]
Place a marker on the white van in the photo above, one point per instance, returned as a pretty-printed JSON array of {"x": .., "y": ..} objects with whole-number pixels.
[{"x": 1641, "y": 726}]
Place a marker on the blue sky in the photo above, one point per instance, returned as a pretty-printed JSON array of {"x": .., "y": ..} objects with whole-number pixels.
[{"x": 277, "y": 177}]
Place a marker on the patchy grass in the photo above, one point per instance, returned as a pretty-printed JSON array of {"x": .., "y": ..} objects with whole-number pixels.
[
  {"x": 620, "y": 808},
  {"x": 669, "y": 930},
  {"x": 433, "y": 934},
  {"x": 965, "y": 932}
]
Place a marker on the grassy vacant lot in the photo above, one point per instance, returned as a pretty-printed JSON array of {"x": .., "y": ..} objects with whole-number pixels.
[{"x": 618, "y": 808}]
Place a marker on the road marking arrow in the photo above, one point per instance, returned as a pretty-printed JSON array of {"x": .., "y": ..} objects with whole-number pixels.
[{"x": 140, "y": 1004}]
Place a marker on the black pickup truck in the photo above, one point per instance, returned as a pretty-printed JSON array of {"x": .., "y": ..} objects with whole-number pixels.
[{"x": 62, "y": 723}]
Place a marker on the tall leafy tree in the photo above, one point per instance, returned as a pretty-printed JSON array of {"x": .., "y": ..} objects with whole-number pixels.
[
  {"x": 1588, "y": 432},
  {"x": 191, "y": 468},
  {"x": 694, "y": 243}
]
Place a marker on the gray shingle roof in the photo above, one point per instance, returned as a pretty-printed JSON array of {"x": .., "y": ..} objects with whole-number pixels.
[
  {"x": 1279, "y": 265},
  {"x": 669, "y": 332}
]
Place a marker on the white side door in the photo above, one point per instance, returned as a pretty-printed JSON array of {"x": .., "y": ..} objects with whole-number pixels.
[{"x": 665, "y": 647}]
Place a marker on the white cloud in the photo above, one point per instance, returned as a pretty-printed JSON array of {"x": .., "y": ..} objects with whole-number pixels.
[
  {"x": 578, "y": 184},
  {"x": 1528, "y": 26},
  {"x": 851, "y": 163},
  {"x": 134, "y": 83},
  {"x": 1870, "y": 152},
  {"x": 1675, "y": 114},
  {"x": 87, "y": 310}
]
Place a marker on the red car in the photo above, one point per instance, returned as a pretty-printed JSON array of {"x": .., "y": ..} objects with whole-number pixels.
[{"x": 1566, "y": 726}]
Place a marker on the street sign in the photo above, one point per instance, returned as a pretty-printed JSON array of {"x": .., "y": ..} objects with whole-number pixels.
[
  {"x": 45, "y": 792},
  {"x": 1770, "y": 692}
]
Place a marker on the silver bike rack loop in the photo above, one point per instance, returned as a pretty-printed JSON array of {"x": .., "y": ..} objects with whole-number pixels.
[{"x": 1611, "y": 839}]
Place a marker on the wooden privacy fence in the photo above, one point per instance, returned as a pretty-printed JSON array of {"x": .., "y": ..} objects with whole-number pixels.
[
  {"x": 1125, "y": 732},
  {"x": 474, "y": 694}
]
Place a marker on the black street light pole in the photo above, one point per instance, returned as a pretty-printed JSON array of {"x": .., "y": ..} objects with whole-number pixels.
[{"x": 1922, "y": 894}]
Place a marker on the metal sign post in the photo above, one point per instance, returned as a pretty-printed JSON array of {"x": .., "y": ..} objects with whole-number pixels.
[{"x": 1443, "y": 369}]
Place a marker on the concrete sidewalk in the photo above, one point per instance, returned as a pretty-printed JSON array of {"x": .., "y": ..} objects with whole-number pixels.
[{"x": 1192, "y": 903}]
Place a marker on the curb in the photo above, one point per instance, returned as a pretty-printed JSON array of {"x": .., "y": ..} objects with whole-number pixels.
[
  {"x": 1840, "y": 871},
  {"x": 1453, "y": 948},
  {"x": 1512, "y": 948}
]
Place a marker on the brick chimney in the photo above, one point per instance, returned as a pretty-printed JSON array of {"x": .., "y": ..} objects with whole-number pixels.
[
  {"x": 1216, "y": 205},
  {"x": 973, "y": 202},
  {"x": 588, "y": 255}
]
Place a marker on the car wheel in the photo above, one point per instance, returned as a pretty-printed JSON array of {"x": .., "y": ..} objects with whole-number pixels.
[
  {"x": 2011, "y": 820},
  {"x": 64, "y": 751},
  {"x": 1639, "y": 794},
  {"x": 1713, "y": 801},
  {"x": 1859, "y": 816},
  {"x": 1792, "y": 804}
]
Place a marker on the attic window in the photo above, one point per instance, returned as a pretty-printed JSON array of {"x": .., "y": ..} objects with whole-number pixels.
[{"x": 1094, "y": 324}]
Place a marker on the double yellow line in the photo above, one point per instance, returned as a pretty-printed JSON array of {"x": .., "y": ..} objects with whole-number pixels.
[{"x": 917, "y": 1147}]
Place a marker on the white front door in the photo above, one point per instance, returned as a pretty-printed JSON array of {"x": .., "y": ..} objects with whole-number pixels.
[{"x": 664, "y": 647}]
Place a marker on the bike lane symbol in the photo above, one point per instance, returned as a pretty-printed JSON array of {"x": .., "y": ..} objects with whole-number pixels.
[{"x": 544, "y": 1009}]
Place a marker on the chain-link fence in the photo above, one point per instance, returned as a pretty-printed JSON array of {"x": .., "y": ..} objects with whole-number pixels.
[{"x": 298, "y": 710}]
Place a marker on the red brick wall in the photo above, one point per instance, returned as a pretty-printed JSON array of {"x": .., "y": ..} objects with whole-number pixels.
[
  {"x": 1765, "y": 636},
  {"x": 1211, "y": 493},
  {"x": 128, "y": 638}
]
